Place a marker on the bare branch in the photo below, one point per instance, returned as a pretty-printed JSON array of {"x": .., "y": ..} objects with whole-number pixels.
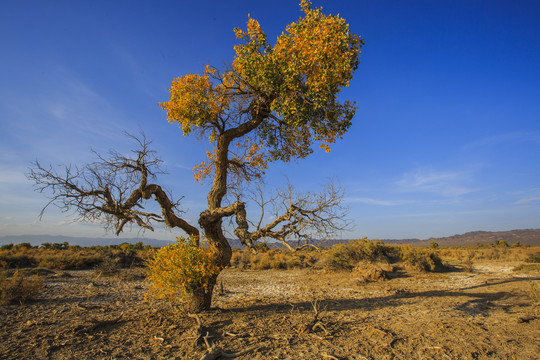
[
  {"x": 302, "y": 216},
  {"x": 112, "y": 190}
]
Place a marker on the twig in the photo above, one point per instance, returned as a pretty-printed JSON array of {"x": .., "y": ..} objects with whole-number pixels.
[{"x": 329, "y": 356}]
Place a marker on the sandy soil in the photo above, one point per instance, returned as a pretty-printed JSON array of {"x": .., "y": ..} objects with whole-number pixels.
[{"x": 452, "y": 315}]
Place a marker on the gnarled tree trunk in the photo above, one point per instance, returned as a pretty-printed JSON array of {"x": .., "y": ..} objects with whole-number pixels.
[{"x": 200, "y": 299}]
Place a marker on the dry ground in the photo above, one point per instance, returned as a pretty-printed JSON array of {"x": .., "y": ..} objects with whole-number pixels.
[{"x": 452, "y": 315}]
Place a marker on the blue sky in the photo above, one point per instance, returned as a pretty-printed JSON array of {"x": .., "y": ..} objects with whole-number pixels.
[{"x": 446, "y": 138}]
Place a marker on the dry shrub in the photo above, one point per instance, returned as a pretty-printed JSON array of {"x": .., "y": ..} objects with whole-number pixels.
[
  {"x": 528, "y": 268},
  {"x": 467, "y": 261},
  {"x": 346, "y": 256},
  {"x": 277, "y": 259},
  {"x": 492, "y": 253},
  {"x": 18, "y": 288},
  {"x": 133, "y": 274},
  {"x": 533, "y": 258},
  {"x": 420, "y": 259},
  {"x": 367, "y": 271},
  {"x": 241, "y": 259},
  {"x": 108, "y": 267}
]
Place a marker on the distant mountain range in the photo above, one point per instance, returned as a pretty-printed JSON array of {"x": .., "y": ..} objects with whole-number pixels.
[
  {"x": 81, "y": 241},
  {"x": 526, "y": 236}
]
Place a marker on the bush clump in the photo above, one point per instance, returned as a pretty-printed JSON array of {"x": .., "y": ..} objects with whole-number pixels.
[
  {"x": 347, "y": 256},
  {"x": 18, "y": 288},
  {"x": 421, "y": 259},
  {"x": 179, "y": 269},
  {"x": 533, "y": 258},
  {"x": 366, "y": 271}
]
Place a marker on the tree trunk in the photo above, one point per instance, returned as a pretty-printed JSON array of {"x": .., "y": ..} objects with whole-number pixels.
[{"x": 200, "y": 299}]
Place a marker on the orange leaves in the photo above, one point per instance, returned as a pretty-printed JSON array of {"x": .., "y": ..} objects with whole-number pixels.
[
  {"x": 252, "y": 157},
  {"x": 192, "y": 101},
  {"x": 289, "y": 90},
  {"x": 204, "y": 169},
  {"x": 321, "y": 55},
  {"x": 195, "y": 101}
]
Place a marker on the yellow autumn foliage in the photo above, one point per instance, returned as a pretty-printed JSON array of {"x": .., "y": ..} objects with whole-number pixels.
[
  {"x": 292, "y": 84},
  {"x": 180, "y": 268}
]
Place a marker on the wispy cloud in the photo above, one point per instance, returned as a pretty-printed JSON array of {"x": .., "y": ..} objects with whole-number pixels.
[
  {"x": 443, "y": 183},
  {"x": 8, "y": 176},
  {"x": 527, "y": 200},
  {"x": 371, "y": 201},
  {"x": 511, "y": 137},
  {"x": 74, "y": 105}
]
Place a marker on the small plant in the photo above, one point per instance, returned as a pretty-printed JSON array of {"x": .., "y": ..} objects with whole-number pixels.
[
  {"x": 181, "y": 269},
  {"x": 18, "y": 288},
  {"x": 534, "y": 293},
  {"x": 468, "y": 264},
  {"x": 108, "y": 267}
]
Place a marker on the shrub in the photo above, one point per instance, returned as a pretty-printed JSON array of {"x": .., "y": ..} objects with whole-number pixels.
[
  {"x": 16, "y": 260},
  {"x": 261, "y": 247},
  {"x": 179, "y": 269},
  {"x": 533, "y": 258},
  {"x": 346, "y": 256},
  {"x": 18, "y": 288},
  {"x": 421, "y": 258},
  {"x": 467, "y": 261},
  {"x": 108, "y": 267},
  {"x": 367, "y": 271},
  {"x": 433, "y": 245}
]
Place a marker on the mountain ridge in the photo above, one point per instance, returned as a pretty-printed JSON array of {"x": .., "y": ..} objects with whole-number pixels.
[{"x": 524, "y": 236}]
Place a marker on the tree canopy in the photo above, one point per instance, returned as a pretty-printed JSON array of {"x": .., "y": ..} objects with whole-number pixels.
[{"x": 278, "y": 99}]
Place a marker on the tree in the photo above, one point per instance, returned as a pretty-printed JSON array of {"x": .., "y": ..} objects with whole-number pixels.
[{"x": 272, "y": 103}]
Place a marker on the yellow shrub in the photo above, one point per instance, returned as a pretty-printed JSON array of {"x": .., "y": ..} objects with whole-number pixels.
[{"x": 180, "y": 268}]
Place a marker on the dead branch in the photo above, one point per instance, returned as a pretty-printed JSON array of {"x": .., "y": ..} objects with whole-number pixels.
[
  {"x": 296, "y": 215},
  {"x": 199, "y": 330},
  {"x": 216, "y": 352},
  {"x": 316, "y": 321},
  {"x": 307, "y": 245},
  {"x": 213, "y": 351},
  {"x": 329, "y": 356},
  {"x": 112, "y": 190}
]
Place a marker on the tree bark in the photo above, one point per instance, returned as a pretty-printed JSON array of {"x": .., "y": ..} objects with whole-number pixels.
[{"x": 200, "y": 299}]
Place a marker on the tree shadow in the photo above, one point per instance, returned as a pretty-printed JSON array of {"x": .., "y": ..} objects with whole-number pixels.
[{"x": 392, "y": 300}]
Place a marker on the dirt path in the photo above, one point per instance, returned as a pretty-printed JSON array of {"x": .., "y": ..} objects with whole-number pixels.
[{"x": 420, "y": 316}]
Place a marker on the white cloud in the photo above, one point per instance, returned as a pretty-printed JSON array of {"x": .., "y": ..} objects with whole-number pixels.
[{"x": 443, "y": 183}]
